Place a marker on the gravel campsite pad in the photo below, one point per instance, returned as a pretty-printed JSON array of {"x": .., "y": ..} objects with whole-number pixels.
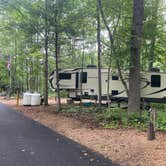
[{"x": 128, "y": 147}]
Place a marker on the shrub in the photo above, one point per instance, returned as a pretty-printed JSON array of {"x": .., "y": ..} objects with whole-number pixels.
[
  {"x": 138, "y": 121},
  {"x": 159, "y": 106},
  {"x": 161, "y": 121},
  {"x": 119, "y": 118}
]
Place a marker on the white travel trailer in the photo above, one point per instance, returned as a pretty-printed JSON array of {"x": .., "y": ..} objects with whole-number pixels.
[{"x": 83, "y": 84}]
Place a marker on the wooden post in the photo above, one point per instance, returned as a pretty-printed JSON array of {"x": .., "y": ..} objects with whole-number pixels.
[
  {"x": 150, "y": 130},
  {"x": 18, "y": 97}
]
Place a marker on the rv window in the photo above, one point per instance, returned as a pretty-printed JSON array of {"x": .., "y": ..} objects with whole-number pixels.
[
  {"x": 155, "y": 80},
  {"x": 65, "y": 76},
  {"x": 114, "y": 92},
  {"x": 115, "y": 78},
  {"x": 83, "y": 77}
]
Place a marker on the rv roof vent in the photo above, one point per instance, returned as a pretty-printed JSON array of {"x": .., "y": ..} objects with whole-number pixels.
[
  {"x": 155, "y": 69},
  {"x": 91, "y": 66}
]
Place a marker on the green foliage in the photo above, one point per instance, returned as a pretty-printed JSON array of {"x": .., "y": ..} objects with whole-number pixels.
[
  {"x": 115, "y": 118},
  {"x": 138, "y": 121},
  {"x": 118, "y": 118},
  {"x": 161, "y": 120},
  {"x": 111, "y": 118},
  {"x": 159, "y": 106}
]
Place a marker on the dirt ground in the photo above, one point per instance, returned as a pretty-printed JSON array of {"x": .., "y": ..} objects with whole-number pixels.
[{"x": 127, "y": 147}]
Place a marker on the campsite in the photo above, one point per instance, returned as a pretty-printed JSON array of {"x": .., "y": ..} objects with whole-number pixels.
[{"x": 83, "y": 83}]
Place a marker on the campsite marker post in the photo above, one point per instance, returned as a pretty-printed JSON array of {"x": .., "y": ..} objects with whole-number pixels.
[
  {"x": 18, "y": 97},
  {"x": 151, "y": 123}
]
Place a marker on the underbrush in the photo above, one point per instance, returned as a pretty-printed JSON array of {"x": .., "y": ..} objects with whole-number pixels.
[
  {"x": 161, "y": 116},
  {"x": 115, "y": 117},
  {"x": 119, "y": 118},
  {"x": 161, "y": 120}
]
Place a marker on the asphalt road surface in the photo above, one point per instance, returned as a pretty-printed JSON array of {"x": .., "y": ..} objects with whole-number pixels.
[{"x": 24, "y": 142}]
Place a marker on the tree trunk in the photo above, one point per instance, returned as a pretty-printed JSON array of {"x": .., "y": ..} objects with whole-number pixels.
[
  {"x": 46, "y": 57},
  {"x": 122, "y": 78},
  {"x": 82, "y": 69},
  {"x": 99, "y": 54},
  {"x": 134, "y": 73},
  {"x": 27, "y": 75},
  {"x": 108, "y": 85},
  {"x": 57, "y": 50}
]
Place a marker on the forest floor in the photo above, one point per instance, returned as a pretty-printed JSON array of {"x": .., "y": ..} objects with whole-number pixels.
[{"x": 127, "y": 147}]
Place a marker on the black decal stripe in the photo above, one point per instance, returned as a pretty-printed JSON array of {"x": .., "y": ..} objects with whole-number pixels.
[
  {"x": 157, "y": 91},
  {"x": 51, "y": 82},
  {"x": 147, "y": 84},
  {"x": 116, "y": 94},
  {"x": 119, "y": 93}
]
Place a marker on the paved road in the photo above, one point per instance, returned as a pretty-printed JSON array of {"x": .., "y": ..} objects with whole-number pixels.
[{"x": 24, "y": 142}]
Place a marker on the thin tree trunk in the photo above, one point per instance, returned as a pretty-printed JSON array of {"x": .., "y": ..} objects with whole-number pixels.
[
  {"x": 82, "y": 69},
  {"x": 134, "y": 73},
  {"x": 112, "y": 46},
  {"x": 31, "y": 76},
  {"x": 99, "y": 55},
  {"x": 108, "y": 85},
  {"x": 73, "y": 52},
  {"x": 57, "y": 50},
  {"x": 121, "y": 78},
  {"x": 27, "y": 74},
  {"x": 46, "y": 56}
]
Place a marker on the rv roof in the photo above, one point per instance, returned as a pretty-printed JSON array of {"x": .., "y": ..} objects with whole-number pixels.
[
  {"x": 105, "y": 70},
  {"x": 70, "y": 70}
]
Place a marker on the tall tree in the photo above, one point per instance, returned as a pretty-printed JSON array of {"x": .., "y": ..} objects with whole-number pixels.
[
  {"x": 134, "y": 73},
  {"x": 57, "y": 53},
  {"x": 57, "y": 31},
  {"x": 99, "y": 53},
  {"x": 46, "y": 42}
]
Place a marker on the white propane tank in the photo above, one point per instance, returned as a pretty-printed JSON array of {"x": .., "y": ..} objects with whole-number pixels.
[
  {"x": 27, "y": 99},
  {"x": 35, "y": 99}
]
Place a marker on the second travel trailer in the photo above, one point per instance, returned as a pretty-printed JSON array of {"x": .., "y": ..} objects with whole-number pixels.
[{"x": 83, "y": 84}]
